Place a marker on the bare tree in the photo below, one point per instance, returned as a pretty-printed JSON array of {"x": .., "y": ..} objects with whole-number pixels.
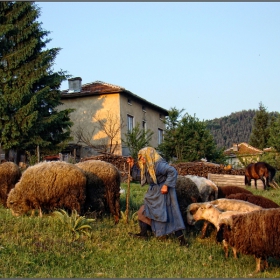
[{"x": 110, "y": 125}]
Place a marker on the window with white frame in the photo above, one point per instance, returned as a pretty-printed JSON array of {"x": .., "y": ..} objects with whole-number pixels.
[
  {"x": 129, "y": 123},
  {"x": 160, "y": 136}
]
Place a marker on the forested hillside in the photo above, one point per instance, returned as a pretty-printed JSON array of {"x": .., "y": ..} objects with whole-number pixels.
[{"x": 235, "y": 128}]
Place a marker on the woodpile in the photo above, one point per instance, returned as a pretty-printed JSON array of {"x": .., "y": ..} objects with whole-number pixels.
[
  {"x": 203, "y": 168},
  {"x": 184, "y": 168},
  {"x": 118, "y": 161}
]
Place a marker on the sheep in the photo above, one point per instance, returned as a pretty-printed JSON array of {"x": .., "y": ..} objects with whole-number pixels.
[
  {"x": 212, "y": 214},
  {"x": 222, "y": 204},
  {"x": 223, "y": 191},
  {"x": 9, "y": 175},
  {"x": 208, "y": 190},
  {"x": 255, "y": 199},
  {"x": 255, "y": 233},
  {"x": 187, "y": 193},
  {"x": 48, "y": 186},
  {"x": 103, "y": 187}
]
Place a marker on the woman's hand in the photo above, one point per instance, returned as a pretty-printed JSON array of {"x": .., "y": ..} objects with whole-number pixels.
[
  {"x": 130, "y": 161},
  {"x": 164, "y": 189}
]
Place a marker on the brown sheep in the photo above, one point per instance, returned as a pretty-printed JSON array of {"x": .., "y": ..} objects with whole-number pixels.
[
  {"x": 103, "y": 187},
  {"x": 9, "y": 176},
  {"x": 224, "y": 191},
  {"x": 255, "y": 199},
  {"x": 256, "y": 233},
  {"x": 48, "y": 186}
]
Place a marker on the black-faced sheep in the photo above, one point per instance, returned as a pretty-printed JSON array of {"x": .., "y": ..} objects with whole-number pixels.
[
  {"x": 255, "y": 199},
  {"x": 224, "y": 191},
  {"x": 207, "y": 189},
  {"x": 48, "y": 186},
  {"x": 255, "y": 233},
  {"x": 223, "y": 204},
  {"x": 9, "y": 176},
  {"x": 103, "y": 187}
]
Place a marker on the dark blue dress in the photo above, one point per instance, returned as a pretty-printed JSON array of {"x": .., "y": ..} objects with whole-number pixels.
[{"x": 162, "y": 209}]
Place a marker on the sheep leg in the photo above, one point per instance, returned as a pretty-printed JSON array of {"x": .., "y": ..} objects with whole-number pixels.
[
  {"x": 225, "y": 247},
  {"x": 265, "y": 263},
  {"x": 258, "y": 264},
  {"x": 234, "y": 252},
  {"x": 204, "y": 229}
]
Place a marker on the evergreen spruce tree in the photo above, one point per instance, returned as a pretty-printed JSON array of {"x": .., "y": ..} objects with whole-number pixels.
[
  {"x": 137, "y": 139},
  {"x": 260, "y": 131},
  {"x": 29, "y": 88},
  {"x": 274, "y": 134}
]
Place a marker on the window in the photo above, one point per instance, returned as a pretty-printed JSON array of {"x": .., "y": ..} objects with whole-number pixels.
[
  {"x": 160, "y": 136},
  {"x": 129, "y": 102},
  {"x": 144, "y": 125},
  {"x": 129, "y": 123},
  {"x": 144, "y": 108},
  {"x": 161, "y": 116}
]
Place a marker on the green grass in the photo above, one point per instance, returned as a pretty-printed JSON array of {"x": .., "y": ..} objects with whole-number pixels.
[{"x": 34, "y": 247}]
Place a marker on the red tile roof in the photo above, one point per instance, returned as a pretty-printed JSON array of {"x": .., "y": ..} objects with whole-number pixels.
[{"x": 244, "y": 149}]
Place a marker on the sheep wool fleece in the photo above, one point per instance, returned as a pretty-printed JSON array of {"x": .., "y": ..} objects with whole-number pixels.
[{"x": 162, "y": 209}]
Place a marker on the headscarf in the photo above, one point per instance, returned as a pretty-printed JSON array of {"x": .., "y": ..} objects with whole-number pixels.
[{"x": 151, "y": 156}]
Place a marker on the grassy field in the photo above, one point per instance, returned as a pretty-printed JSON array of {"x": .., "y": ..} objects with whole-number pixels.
[{"x": 33, "y": 247}]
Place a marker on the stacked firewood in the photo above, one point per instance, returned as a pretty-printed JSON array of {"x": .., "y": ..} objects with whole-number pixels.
[
  {"x": 203, "y": 168},
  {"x": 184, "y": 168},
  {"x": 118, "y": 161}
]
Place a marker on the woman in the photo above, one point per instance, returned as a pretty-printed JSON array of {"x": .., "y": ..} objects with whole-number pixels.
[{"x": 160, "y": 212}]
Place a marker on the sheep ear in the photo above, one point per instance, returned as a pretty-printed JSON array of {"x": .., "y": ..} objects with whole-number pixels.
[{"x": 208, "y": 205}]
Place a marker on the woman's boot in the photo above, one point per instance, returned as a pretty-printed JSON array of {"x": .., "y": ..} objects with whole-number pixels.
[
  {"x": 143, "y": 234},
  {"x": 182, "y": 241}
]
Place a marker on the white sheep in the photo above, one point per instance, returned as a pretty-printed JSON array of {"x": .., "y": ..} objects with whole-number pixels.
[
  {"x": 213, "y": 215},
  {"x": 222, "y": 204},
  {"x": 207, "y": 189}
]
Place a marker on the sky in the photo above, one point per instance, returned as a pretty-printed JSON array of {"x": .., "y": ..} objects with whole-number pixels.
[{"x": 209, "y": 59}]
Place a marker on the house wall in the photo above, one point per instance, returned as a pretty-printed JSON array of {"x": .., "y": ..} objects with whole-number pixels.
[
  {"x": 150, "y": 115},
  {"x": 87, "y": 109},
  {"x": 235, "y": 162},
  {"x": 116, "y": 105},
  {"x": 90, "y": 108}
]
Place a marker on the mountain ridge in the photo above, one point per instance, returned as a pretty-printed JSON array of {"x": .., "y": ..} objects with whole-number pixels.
[{"x": 234, "y": 128}]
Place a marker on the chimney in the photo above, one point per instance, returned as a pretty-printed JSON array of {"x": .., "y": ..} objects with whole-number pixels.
[
  {"x": 75, "y": 84},
  {"x": 235, "y": 147}
]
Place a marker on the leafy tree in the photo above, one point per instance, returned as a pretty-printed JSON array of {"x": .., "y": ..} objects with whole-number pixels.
[
  {"x": 137, "y": 139},
  {"x": 170, "y": 147},
  {"x": 29, "y": 88},
  {"x": 260, "y": 131},
  {"x": 188, "y": 139}
]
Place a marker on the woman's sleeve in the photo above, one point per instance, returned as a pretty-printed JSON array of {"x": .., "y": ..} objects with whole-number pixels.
[
  {"x": 171, "y": 174},
  {"x": 135, "y": 173}
]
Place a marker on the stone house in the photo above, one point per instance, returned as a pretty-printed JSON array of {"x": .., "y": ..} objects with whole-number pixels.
[
  {"x": 242, "y": 154},
  {"x": 112, "y": 106}
]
